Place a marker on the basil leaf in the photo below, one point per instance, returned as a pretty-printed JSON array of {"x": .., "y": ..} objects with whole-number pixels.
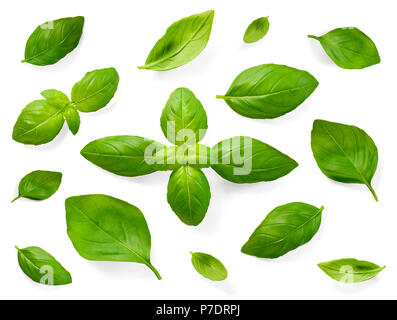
[
  {"x": 344, "y": 153},
  {"x": 128, "y": 156},
  {"x": 350, "y": 270},
  {"x": 208, "y": 266},
  {"x": 103, "y": 228},
  {"x": 42, "y": 267},
  {"x": 95, "y": 90},
  {"x": 349, "y": 48},
  {"x": 72, "y": 118},
  {"x": 184, "y": 119},
  {"x": 189, "y": 195},
  {"x": 269, "y": 91},
  {"x": 247, "y": 160},
  {"x": 39, "y": 185},
  {"x": 257, "y": 30},
  {"x": 39, "y": 123},
  {"x": 56, "y": 98},
  {"x": 183, "y": 41},
  {"x": 285, "y": 228},
  {"x": 53, "y": 40}
]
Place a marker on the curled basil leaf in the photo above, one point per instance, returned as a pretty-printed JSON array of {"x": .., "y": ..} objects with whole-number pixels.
[
  {"x": 72, "y": 118},
  {"x": 183, "y": 41},
  {"x": 208, "y": 266},
  {"x": 56, "y": 98},
  {"x": 53, "y": 40},
  {"x": 345, "y": 153},
  {"x": 42, "y": 267},
  {"x": 103, "y": 228},
  {"x": 257, "y": 30},
  {"x": 349, "y": 48}
]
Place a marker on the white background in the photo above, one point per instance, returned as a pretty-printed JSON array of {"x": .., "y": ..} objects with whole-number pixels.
[{"x": 120, "y": 34}]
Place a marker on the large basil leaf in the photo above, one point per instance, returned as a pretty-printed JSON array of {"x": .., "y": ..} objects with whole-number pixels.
[
  {"x": 53, "y": 40},
  {"x": 103, "y": 228},
  {"x": 344, "y": 153},
  {"x": 269, "y": 91},
  {"x": 56, "y": 98},
  {"x": 189, "y": 195},
  {"x": 350, "y": 270},
  {"x": 209, "y": 266},
  {"x": 42, "y": 267},
  {"x": 257, "y": 30},
  {"x": 284, "y": 229},
  {"x": 184, "y": 119},
  {"x": 72, "y": 118},
  {"x": 39, "y": 185},
  {"x": 183, "y": 41},
  {"x": 349, "y": 48},
  {"x": 39, "y": 123},
  {"x": 95, "y": 90},
  {"x": 128, "y": 156},
  {"x": 247, "y": 160}
]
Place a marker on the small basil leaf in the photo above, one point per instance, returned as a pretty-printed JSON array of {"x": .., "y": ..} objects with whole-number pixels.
[
  {"x": 183, "y": 41},
  {"x": 269, "y": 91},
  {"x": 72, "y": 118},
  {"x": 95, "y": 90},
  {"x": 284, "y": 229},
  {"x": 344, "y": 153},
  {"x": 53, "y": 40},
  {"x": 257, "y": 30},
  {"x": 103, "y": 228},
  {"x": 127, "y": 156},
  {"x": 247, "y": 160},
  {"x": 56, "y": 98},
  {"x": 189, "y": 195},
  {"x": 208, "y": 266},
  {"x": 42, "y": 267},
  {"x": 350, "y": 270},
  {"x": 184, "y": 119},
  {"x": 39, "y": 185},
  {"x": 349, "y": 48},
  {"x": 39, "y": 123}
]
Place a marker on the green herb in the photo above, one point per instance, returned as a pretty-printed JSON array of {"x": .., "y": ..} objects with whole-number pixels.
[
  {"x": 42, "y": 267},
  {"x": 39, "y": 185},
  {"x": 183, "y": 41},
  {"x": 53, "y": 40},
  {"x": 209, "y": 267},
  {"x": 285, "y": 228},
  {"x": 103, "y": 228},
  {"x": 257, "y": 30},
  {"x": 344, "y": 153},
  {"x": 350, "y": 270},
  {"x": 269, "y": 91},
  {"x": 349, "y": 48}
]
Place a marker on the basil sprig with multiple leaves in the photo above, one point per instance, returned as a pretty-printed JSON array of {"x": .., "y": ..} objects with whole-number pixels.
[
  {"x": 53, "y": 40},
  {"x": 257, "y": 30},
  {"x": 183, "y": 41},
  {"x": 208, "y": 266},
  {"x": 103, "y": 228},
  {"x": 345, "y": 153},
  {"x": 42, "y": 120},
  {"x": 269, "y": 91},
  {"x": 350, "y": 270},
  {"x": 184, "y": 122},
  {"x": 285, "y": 228},
  {"x": 349, "y": 48}
]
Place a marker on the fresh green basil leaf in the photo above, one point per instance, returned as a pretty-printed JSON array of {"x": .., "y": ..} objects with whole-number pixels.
[
  {"x": 269, "y": 91},
  {"x": 39, "y": 123},
  {"x": 127, "y": 156},
  {"x": 189, "y": 195},
  {"x": 247, "y": 160},
  {"x": 183, "y": 41},
  {"x": 344, "y": 153},
  {"x": 349, "y": 48},
  {"x": 42, "y": 267},
  {"x": 56, "y": 98},
  {"x": 72, "y": 118},
  {"x": 257, "y": 30},
  {"x": 350, "y": 270},
  {"x": 39, "y": 185},
  {"x": 95, "y": 90},
  {"x": 184, "y": 119},
  {"x": 208, "y": 266},
  {"x": 285, "y": 228},
  {"x": 53, "y": 40},
  {"x": 103, "y": 228}
]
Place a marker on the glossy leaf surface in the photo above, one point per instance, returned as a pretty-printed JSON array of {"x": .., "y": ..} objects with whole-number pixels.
[
  {"x": 209, "y": 267},
  {"x": 72, "y": 118},
  {"x": 257, "y": 30},
  {"x": 56, "y": 98}
]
